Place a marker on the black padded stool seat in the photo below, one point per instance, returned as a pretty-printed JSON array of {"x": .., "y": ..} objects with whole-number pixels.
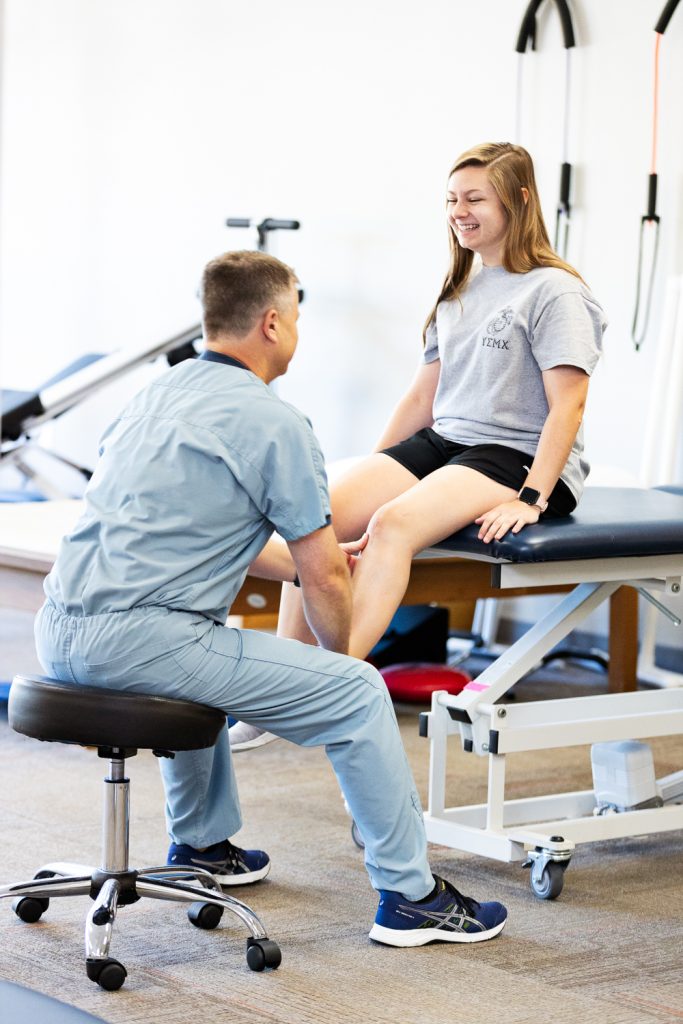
[{"x": 70, "y": 713}]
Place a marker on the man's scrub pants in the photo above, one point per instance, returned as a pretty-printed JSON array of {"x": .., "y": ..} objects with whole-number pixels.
[{"x": 305, "y": 694}]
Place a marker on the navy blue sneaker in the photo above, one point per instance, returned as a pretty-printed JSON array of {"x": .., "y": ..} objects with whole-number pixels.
[
  {"x": 444, "y": 916},
  {"x": 230, "y": 864}
]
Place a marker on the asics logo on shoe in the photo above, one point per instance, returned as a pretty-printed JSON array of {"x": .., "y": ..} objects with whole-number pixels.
[
  {"x": 235, "y": 864},
  {"x": 452, "y": 919}
]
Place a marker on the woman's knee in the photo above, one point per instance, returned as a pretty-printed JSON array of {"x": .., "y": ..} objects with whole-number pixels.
[
  {"x": 356, "y": 496},
  {"x": 391, "y": 525}
]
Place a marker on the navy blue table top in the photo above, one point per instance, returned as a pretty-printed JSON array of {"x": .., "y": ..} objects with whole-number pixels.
[{"x": 610, "y": 522}]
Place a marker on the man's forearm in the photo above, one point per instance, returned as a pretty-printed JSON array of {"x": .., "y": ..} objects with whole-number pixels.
[{"x": 328, "y": 613}]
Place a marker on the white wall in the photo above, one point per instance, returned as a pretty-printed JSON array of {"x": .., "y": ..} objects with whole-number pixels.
[{"x": 130, "y": 130}]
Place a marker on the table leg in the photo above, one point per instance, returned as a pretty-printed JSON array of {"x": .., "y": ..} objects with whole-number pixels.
[{"x": 623, "y": 640}]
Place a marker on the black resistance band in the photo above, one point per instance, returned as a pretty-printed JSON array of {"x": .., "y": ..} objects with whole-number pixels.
[{"x": 527, "y": 34}]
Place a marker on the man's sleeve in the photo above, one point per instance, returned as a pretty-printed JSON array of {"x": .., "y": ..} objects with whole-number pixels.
[{"x": 295, "y": 497}]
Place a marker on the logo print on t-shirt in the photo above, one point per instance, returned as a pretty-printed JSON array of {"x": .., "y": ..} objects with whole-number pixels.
[
  {"x": 500, "y": 322},
  {"x": 495, "y": 326}
]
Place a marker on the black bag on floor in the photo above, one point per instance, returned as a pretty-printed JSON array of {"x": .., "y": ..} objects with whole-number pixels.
[{"x": 416, "y": 633}]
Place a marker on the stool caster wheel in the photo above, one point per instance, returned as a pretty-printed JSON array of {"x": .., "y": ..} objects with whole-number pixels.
[
  {"x": 108, "y": 973},
  {"x": 205, "y": 915},
  {"x": 550, "y": 884},
  {"x": 30, "y": 908},
  {"x": 262, "y": 953}
]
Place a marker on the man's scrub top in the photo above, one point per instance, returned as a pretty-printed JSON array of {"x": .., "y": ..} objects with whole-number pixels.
[{"x": 192, "y": 479}]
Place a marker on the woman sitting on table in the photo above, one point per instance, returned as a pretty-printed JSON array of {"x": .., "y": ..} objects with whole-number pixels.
[{"x": 489, "y": 431}]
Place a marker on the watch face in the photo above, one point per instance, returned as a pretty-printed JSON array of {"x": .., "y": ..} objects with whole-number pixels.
[{"x": 529, "y": 496}]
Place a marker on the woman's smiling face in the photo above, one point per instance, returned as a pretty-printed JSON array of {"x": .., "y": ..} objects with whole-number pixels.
[{"x": 476, "y": 214}]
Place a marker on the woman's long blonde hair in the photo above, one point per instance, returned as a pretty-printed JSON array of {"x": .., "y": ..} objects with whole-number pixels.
[{"x": 526, "y": 245}]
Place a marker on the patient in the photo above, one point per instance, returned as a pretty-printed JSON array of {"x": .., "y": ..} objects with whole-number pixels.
[
  {"x": 193, "y": 478},
  {"x": 489, "y": 430}
]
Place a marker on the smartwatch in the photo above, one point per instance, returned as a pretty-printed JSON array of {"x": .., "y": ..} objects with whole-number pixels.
[{"x": 532, "y": 497}]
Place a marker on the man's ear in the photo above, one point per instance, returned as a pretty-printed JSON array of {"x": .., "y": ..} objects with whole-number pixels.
[{"x": 270, "y": 324}]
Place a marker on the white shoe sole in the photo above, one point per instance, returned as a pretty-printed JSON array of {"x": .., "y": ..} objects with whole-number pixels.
[
  {"x": 228, "y": 881},
  {"x": 421, "y": 936},
  {"x": 257, "y": 741}
]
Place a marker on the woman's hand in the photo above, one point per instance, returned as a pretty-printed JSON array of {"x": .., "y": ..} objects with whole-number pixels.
[
  {"x": 510, "y": 515},
  {"x": 352, "y": 549}
]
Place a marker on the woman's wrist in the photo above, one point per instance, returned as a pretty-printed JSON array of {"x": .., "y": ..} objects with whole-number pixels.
[{"x": 533, "y": 497}]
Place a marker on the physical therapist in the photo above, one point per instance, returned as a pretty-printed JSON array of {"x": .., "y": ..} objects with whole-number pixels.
[{"x": 193, "y": 478}]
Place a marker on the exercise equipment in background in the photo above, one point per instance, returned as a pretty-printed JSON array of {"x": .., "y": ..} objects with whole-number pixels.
[
  {"x": 650, "y": 221},
  {"x": 526, "y": 36},
  {"x": 263, "y": 228},
  {"x": 415, "y": 682},
  {"x": 412, "y": 654},
  {"x": 23, "y": 413},
  {"x": 665, "y": 418}
]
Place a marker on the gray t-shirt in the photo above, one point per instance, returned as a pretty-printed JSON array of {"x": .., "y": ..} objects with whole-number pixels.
[{"x": 495, "y": 341}]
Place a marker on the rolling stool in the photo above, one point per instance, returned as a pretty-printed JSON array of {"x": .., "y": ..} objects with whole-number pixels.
[{"x": 118, "y": 724}]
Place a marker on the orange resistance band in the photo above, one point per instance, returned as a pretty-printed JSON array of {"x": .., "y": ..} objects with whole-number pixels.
[{"x": 655, "y": 112}]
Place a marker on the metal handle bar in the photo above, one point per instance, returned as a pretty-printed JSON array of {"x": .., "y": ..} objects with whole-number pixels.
[{"x": 269, "y": 224}]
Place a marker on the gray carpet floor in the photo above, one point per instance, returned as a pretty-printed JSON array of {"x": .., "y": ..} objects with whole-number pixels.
[{"x": 607, "y": 951}]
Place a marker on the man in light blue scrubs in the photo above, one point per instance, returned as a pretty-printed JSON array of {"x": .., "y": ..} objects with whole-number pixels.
[{"x": 194, "y": 477}]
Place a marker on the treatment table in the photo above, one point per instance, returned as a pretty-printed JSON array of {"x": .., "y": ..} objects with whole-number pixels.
[{"x": 618, "y": 536}]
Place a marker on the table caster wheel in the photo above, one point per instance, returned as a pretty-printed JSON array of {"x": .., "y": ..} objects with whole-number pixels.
[
  {"x": 30, "y": 908},
  {"x": 205, "y": 915},
  {"x": 262, "y": 953},
  {"x": 109, "y": 974},
  {"x": 357, "y": 837},
  {"x": 549, "y": 885}
]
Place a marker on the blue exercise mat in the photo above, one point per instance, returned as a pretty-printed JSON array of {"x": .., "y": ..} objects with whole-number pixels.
[{"x": 21, "y": 495}]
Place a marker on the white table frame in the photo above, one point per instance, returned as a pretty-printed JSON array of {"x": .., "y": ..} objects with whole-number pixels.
[{"x": 549, "y": 827}]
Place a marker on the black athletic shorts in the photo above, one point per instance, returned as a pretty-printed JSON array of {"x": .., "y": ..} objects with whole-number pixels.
[{"x": 426, "y": 451}]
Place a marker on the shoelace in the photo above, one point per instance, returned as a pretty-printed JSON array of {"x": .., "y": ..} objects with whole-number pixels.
[
  {"x": 232, "y": 857},
  {"x": 464, "y": 902}
]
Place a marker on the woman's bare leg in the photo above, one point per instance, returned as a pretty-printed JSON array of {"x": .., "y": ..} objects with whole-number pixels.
[
  {"x": 355, "y": 497},
  {"x": 442, "y": 503}
]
